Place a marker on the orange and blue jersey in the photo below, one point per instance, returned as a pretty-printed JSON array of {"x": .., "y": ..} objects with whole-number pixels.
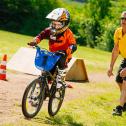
[{"x": 62, "y": 41}]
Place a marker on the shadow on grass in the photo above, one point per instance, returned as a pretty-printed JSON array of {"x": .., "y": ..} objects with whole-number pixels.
[{"x": 59, "y": 120}]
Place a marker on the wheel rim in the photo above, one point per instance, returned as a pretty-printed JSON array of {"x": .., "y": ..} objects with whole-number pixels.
[
  {"x": 56, "y": 101},
  {"x": 33, "y": 98}
]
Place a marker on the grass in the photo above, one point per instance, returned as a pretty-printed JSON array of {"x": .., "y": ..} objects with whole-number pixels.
[
  {"x": 11, "y": 42},
  {"x": 95, "y": 100},
  {"x": 92, "y": 110}
]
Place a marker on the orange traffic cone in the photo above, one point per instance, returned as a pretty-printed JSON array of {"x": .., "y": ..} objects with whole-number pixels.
[{"x": 3, "y": 68}]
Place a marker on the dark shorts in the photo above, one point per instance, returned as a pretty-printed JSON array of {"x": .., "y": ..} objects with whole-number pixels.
[
  {"x": 122, "y": 66},
  {"x": 61, "y": 63}
]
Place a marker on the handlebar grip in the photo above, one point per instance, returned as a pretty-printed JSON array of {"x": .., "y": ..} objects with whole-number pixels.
[
  {"x": 32, "y": 44},
  {"x": 28, "y": 43}
]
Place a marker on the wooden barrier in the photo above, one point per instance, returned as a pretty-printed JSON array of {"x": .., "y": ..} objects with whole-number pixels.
[{"x": 77, "y": 71}]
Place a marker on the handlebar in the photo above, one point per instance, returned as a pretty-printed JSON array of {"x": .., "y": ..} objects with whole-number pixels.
[
  {"x": 35, "y": 46},
  {"x": 31, "y": 45},
  {"x": 57, "y": 52}
]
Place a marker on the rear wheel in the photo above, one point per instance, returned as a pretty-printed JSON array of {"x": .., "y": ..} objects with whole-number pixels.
[
  {"x": 56, "y": 100},
  {"x": 33, "y": 98}
]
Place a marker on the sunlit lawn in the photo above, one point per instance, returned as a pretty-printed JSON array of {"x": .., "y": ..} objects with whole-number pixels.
[{"x": 92, "y": 108}]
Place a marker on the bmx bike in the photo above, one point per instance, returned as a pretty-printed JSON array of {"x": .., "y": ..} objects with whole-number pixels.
[{"x": 38, "y": 90}]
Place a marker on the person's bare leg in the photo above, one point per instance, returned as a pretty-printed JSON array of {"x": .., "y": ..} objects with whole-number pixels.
[
  {"x": 118, "y": 110},
  {"x": 120, "y": 86},
  {"x": 123, "y": 94}
]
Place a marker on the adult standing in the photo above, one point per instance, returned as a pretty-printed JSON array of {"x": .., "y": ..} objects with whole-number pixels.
[{"x": 120, "y": 48}]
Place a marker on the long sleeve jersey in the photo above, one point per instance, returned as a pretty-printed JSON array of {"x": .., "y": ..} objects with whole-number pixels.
[{"x": 62, "y": 41}]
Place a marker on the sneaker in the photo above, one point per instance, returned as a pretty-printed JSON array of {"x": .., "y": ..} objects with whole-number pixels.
[
  {"x": 124, "y": 107},
  {"x": 117, "y": 111}
]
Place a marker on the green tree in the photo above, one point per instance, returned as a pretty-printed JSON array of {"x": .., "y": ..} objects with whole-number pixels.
[
  {"x": 106, "y": 40},
  {"x": 25, "y": 16},
  {"x": 13, "y": 13},
  {"x": 96, "y": 11}
]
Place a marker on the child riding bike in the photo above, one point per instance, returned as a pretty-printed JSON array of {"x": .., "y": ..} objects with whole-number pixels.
[{"x": 61, "y": 39}]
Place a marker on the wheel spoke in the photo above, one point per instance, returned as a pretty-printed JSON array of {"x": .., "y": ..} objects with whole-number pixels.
[
  {"x": 32, "y": 99},
  {"x": 55, "y": 101}
]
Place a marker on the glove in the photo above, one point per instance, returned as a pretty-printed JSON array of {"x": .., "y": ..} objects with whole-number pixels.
[{"x": 32, "y": 43}]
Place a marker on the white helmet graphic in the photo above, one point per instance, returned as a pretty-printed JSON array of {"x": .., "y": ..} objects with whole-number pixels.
[{"x": 61, "y": 15}]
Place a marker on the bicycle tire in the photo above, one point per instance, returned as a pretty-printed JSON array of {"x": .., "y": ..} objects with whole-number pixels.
[
  {"x": 61, "y": 92},
  {"x": 24, "y": 99}
]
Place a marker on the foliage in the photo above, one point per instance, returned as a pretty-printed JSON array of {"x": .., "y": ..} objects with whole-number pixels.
[
  {"x": 106, "y": 40},
  {"x": 90, "y": 32},
  {"x": 98, "y": 9},
  {"x": 93, "y": 21},
  {"x": 25, "y": 16},
  {"x": 90, "y": 27}
]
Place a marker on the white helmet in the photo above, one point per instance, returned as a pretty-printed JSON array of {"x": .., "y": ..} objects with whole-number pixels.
[{"x": 61, "y": 15}]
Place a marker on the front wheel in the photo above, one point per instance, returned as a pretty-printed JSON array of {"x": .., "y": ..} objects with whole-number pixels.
[
  {"x": 33, "y": 98},
  {"x": 56, "y": 100}
]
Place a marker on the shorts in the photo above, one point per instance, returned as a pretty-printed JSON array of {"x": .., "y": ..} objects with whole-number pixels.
[
  {"x": 122, "y": 66},
  {"x": 61, "y": 64}
]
